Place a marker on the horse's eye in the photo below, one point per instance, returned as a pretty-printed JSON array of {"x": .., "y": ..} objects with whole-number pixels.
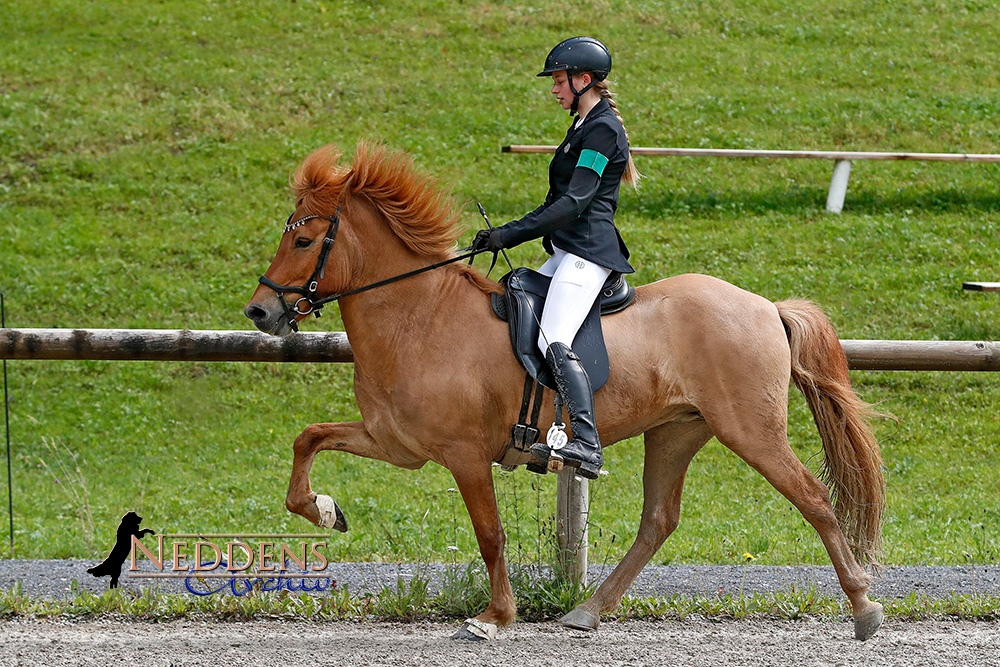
[{"x": 303, "y": 242}]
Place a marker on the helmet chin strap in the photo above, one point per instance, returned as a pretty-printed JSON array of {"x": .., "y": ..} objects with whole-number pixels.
[{"x": 578, "y": 93}]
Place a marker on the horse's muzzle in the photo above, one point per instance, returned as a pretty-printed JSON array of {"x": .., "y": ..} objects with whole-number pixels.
[{"x": 269, "y": 320}]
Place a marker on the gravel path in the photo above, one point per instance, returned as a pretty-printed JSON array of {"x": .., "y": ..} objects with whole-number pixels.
[
  {"x": 692, "y": 643},
  {"x": 52, "y": 578}
]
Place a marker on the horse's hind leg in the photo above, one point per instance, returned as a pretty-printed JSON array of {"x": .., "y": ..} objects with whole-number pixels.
[
  {"x": 768, "y": 453},
  {"x": 669, "y": 450}
]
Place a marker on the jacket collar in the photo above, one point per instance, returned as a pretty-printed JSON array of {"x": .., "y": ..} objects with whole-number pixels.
[{"x": 601, "y": 107}]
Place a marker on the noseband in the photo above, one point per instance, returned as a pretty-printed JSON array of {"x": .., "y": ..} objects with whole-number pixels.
[{"x": 308, "y": 290}]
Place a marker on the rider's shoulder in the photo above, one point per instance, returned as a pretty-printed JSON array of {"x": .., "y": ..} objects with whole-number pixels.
[{"x": 604, "y": 133}]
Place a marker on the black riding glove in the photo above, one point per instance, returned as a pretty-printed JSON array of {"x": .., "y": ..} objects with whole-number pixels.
[{"x": 488, "y": 239}]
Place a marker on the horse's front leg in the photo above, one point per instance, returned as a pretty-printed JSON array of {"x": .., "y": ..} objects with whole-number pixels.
[
  {"x": 345, "y": 437},
  {"x": 475, "y": 482}
]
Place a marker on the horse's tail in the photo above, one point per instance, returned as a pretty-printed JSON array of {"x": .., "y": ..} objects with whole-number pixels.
[{"x": 852, "y": 467}]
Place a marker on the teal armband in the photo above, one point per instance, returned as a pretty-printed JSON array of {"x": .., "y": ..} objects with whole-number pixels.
[{"x": 592, "y": 160}]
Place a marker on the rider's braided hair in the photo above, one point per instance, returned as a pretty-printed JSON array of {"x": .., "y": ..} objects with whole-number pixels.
[{"x": 631, "y": 175}]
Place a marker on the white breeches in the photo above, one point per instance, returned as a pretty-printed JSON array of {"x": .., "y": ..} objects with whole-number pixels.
[{"x": 576, "y": 282}]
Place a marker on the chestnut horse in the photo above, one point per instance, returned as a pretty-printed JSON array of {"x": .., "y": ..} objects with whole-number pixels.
[{"x": 435, "y": 379}]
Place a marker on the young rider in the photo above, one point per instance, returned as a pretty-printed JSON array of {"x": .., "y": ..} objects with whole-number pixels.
[{"x": 576, "y": 224}]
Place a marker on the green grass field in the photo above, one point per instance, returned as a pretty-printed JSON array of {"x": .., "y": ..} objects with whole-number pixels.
[{"x": 144, "y": 155}]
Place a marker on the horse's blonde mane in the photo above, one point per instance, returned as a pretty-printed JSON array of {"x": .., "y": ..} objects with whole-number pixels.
[{"x": 417, "y": 209}]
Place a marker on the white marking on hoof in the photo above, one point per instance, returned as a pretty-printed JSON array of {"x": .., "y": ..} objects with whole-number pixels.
[
  {"x": 868, "y": 622},
  {"x": 330, "y": 515},
  {"x": 474, "y": 630},
  {"x": 581, "y": 619}
]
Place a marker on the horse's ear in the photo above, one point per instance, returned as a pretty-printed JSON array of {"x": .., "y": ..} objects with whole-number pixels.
[{"x": 348, "y": 181}]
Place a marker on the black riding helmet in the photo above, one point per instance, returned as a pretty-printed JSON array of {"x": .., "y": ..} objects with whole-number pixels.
[{"x": 578, "y": 55}]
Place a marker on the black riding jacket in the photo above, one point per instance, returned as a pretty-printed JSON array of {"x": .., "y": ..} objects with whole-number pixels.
[{"x": 584, "y": 178}]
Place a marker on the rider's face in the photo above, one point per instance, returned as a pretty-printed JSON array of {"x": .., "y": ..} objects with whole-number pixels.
[{"x": 560, "y": 87}]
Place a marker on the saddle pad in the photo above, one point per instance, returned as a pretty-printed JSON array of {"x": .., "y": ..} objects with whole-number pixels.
[{"x": 522, "y": 309}]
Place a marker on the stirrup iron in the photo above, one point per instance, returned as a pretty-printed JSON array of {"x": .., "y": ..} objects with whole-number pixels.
[{"x": 547, "y": 458}]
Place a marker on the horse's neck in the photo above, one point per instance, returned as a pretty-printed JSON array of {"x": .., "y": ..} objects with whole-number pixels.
[{"x": 388, "y": 323}]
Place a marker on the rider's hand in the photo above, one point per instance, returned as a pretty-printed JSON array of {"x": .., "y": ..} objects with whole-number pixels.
[{"x": 488, "y": 239}]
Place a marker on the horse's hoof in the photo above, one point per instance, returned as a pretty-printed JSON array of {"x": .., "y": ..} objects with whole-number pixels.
[
  {"x": 475, "y": 631},
  {"x": 581, "y": 619},
  {"x": 330, "y": 514},
  {"x": 868, "y": 622}
]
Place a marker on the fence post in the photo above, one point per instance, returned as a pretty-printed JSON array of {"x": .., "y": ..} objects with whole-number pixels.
[
  {"x": 838, "y": 186},
  {"x": 6, "y": 416},
  {"x": 572, "y": 514}
]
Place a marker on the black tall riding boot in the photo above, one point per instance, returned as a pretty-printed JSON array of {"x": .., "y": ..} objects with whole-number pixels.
[{"x": 573, "y": 385}]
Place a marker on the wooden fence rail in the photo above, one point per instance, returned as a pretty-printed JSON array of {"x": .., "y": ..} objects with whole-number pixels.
[
  {"x": 172, "y": 345},
  {"x": 841, "y": 159},
  {"x": 572, "y": 492},
  {"x": 193, "y": 345},
  {"x": 922, "y": 355},
  {"x": 748, "y": 152}
]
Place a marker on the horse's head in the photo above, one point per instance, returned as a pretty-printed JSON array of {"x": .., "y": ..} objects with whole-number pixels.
[
  {"x": 381, "y": 207},
  {"x": 314, "y": 256}
]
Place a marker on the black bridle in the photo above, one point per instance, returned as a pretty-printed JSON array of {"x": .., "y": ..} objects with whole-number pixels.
[{"x": 309, "y": 290}]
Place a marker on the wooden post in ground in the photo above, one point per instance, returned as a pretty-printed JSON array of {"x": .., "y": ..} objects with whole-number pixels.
[{"x": 572, "y": 514}]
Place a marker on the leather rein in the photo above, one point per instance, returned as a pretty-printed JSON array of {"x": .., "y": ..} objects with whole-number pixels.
[{"x": 308, "y": 290}]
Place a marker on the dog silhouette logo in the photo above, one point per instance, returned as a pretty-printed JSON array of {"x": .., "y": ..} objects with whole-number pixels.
[{"x": 112, "y": 565}]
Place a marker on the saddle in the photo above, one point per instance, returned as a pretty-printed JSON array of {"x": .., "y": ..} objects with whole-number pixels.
[{"x": 522, "y": 310}]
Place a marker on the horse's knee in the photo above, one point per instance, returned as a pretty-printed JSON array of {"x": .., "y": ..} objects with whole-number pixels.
[
  {"x": 667, "y": 519},
  {"x": 659, "y": 523},
  {"x": 501, "y": 541},
  {"x": 492, "y": 543},
  {"x": 671, "y": 520},
  {"x": 306, "y": 441}
]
